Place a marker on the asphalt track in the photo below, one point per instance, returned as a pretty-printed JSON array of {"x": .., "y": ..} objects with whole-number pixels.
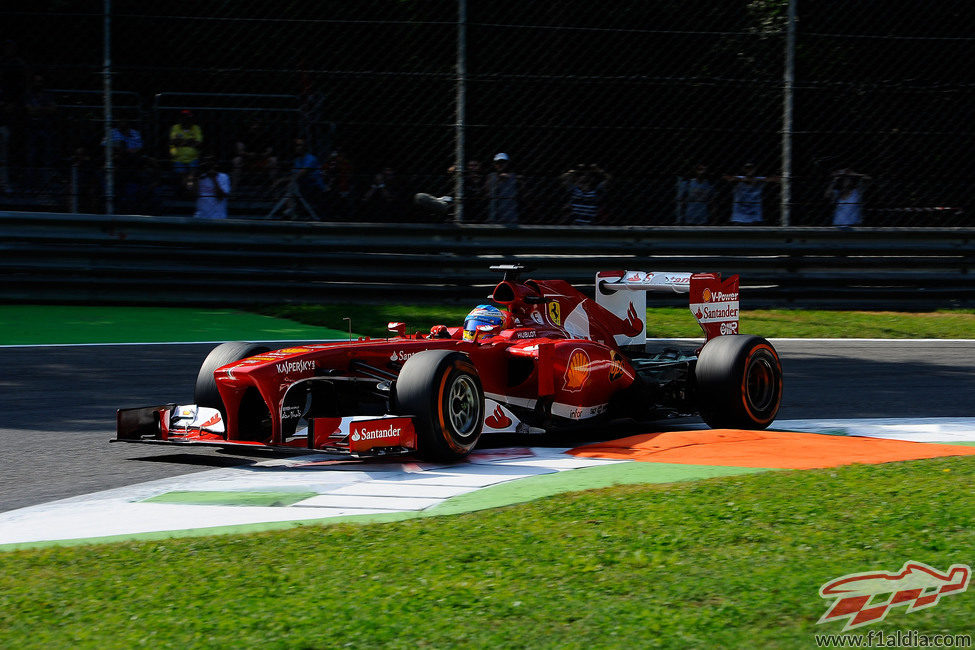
[{"x": 57, "y": 404}]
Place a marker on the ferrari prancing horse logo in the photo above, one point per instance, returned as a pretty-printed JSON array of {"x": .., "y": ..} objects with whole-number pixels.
[{"x": 555, "y": 313}]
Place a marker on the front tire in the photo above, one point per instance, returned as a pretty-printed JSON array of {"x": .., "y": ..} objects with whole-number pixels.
[
  {"x": 206, "y": 393},
  {"x": 443, "y": 393},
  {"x": 739, "y": 382}
]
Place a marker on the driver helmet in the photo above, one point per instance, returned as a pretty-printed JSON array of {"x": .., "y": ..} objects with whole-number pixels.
[{"x": 485, "y": 315}]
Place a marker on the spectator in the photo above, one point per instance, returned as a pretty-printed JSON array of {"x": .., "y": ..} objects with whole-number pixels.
[
  {"x": 40, "y": 109},
  {"x": 212, "y": 191},
  {"x": 254, "y": 161},
  {"x": 381, "y": 202},
  {"x": 315, "y": 129},
  {"x": 306, "y": 171},
  {"x": 746, "y": 205},
  {"x": 126, "y": 138},
  {"x": 375, "y": 202},
  {"x": 305, "y": 184},
  {"x": 127, "y": 155},
  {"x": 475, "y": 201},
  {"x": 185, "y": 139},
  {"x": 587, "y": 188},
  {"x": 694, "y": 198},
  {"x": 846, "y": 193},
  {"x": 501, "y": 192}
]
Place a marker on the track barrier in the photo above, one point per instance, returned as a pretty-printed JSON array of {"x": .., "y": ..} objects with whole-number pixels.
[{"x": 69, "y": 258}]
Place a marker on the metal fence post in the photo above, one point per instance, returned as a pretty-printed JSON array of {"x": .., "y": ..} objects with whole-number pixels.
[
  {"x": 460, "y": 133},
  {"x": 789, "y": 77},
  {"x": 109, "y": 145}
]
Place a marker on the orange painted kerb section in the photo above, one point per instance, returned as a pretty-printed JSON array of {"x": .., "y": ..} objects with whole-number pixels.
[{"x": 780, "y": 449}]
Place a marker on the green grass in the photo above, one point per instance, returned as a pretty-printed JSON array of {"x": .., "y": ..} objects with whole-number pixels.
[
  {"x": 40, "y": 324},
  {"x": 667, "y": 321},
  {"x": 724, "y": 562}
]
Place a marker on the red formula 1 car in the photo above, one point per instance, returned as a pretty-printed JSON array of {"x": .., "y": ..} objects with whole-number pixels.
[{"x": 543, "y": 358}]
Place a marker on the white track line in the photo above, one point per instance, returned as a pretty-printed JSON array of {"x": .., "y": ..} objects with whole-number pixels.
[{"x": 951, "y": 430}]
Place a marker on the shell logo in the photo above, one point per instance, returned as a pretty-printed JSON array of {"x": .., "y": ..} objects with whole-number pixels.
[
  {"x": 577, "y": 370},
  {"x": 706, "y": 295}
]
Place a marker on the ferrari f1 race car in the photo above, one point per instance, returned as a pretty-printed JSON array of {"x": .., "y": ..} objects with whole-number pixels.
[{"x": 543, "y": 357}]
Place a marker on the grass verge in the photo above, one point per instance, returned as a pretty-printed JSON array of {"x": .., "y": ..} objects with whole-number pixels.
[
  {"x": 667, "y": 321},
  {"x": 67, "y": 324},
  {"x": 726, "y": 562}
]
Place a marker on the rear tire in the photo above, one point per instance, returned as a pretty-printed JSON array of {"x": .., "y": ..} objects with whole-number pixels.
[
  {"x": 443, "y": 393},
  {"x": 739, "y": 382},
  {"x": 206, "y": 393}
]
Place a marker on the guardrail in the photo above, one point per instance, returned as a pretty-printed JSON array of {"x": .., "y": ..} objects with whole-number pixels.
[{"x": 180, "y": 260}]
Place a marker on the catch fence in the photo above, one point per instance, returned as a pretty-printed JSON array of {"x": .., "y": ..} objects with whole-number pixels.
[{"x": 621, "y": 102}]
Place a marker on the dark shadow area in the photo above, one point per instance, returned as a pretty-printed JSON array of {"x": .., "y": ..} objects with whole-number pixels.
[
  {"x": 589, "y": 434},
  {"x": 197, "y": 460}
]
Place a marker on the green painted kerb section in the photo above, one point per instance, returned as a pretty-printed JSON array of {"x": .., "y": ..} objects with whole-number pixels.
[
  {"x": 46, "y": 324},
  {"x": 588, "y": 478},
  {"x": 265, "y": 499}
]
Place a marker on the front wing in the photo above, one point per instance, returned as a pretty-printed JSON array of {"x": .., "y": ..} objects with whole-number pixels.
[{"x": 357, "y": 436}]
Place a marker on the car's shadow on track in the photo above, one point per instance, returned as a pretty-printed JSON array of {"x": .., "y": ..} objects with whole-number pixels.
[
  {"x": 571, "y": 438},
  {"x": 200, "y": 460},
  {"x": 584, "y": 435}
]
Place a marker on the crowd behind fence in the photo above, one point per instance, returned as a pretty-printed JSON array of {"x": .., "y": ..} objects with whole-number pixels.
[{"x": 647, "y": 115}]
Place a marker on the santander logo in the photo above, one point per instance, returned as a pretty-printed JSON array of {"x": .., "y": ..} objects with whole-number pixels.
[
  {"x": 215, "y": 419},
  {"x": 366, "y": 433},
  {"x": 632, "y": 323},
  {"x": 497, "y": 419}
]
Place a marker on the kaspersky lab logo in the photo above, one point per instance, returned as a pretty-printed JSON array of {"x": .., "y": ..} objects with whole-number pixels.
[{"x": 865, "y": 598}]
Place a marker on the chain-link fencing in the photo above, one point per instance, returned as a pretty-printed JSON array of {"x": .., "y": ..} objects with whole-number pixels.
[{"x": 642, "y": 113}]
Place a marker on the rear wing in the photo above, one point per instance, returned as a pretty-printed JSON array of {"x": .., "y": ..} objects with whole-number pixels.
[{"x": 713, "y": 302}]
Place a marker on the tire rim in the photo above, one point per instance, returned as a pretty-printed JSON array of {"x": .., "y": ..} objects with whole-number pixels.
[
  {"x": 463, "y": 407},
  {"x": 760, "y": 384}
]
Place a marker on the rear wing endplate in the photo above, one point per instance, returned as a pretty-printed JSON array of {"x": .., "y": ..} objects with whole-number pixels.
[{"x": 713, "y": 302}]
